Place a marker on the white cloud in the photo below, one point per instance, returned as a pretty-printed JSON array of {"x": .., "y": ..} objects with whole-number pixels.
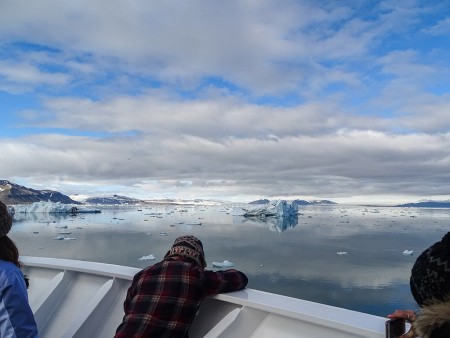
[
  {"x": 349, "y": 163},
  {"x": 354, "y": 74}
]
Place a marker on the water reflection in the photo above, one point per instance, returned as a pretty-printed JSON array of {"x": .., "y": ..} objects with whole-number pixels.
[
  {"x": 41, "y": 217},
  {"x": 297, "y": 261},
  {"x": 276, "y": 224}
]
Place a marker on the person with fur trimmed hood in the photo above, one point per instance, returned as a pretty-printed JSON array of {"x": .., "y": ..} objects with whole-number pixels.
[{"x": 430, "y": 287}]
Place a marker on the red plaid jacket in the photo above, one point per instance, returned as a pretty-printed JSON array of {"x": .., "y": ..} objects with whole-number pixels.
[{"x": 163, "y": 299}]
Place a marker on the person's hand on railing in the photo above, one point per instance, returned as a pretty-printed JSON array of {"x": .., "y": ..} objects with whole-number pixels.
[{"x": 409, "y": 316}]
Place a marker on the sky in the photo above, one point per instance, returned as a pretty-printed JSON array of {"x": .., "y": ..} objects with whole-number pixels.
[{"x": 233, "y": 100}]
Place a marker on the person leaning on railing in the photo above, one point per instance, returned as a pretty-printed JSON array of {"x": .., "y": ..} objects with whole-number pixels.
[
  {"x": 430, "y": 287},
  {"x": 16, "y": 317},
  {"x": 163, "y": 299}
]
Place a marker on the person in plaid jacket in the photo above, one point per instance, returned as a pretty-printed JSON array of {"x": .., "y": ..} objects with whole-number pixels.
[{"x": 163, "y": 298}]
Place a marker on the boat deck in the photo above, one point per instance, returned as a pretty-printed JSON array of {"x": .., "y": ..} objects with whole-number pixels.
[{"x": 72, "y": 298}]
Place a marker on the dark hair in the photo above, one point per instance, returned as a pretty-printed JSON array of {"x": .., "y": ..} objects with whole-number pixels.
[{"x": 9, "y": 251}]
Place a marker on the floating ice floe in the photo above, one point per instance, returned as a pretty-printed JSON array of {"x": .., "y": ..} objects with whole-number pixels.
[
  {"x": 342, "y": 252},
  {"x": 147, "y": 258},
  {"x": 408, "y": 252},
  {"x": 62, "y": 238},
  {"x": 224, "y": 264},
  {"x": 64, "y": 232}
]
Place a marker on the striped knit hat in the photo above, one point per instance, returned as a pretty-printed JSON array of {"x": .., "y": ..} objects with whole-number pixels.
[
  {"x": 190, "y": 247},
  {"x": 5, "y": 220},
  {"x": 430, "y": 275}
]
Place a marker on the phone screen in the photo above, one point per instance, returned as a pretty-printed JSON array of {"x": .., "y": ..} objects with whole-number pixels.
[{"x": 395, "y": 328}]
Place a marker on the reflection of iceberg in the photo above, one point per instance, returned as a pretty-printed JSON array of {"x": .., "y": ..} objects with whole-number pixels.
[
  {"x": 278, "y": 224},
  {"x": 50, "y": 208},
  {"x": 276, "y": 215}
]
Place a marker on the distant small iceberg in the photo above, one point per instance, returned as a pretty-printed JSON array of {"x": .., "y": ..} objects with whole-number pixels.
[
  {"x": 147, "y": 258},
  {"x": 342, "y": 252},
  {"x": 62, "y": 238},
  {"x": 224, "y": 264},
  {"x": 408, "y": 252}
]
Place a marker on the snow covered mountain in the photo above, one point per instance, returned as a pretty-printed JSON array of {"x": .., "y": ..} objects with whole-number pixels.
[
  {"x": 11, "y": 193},
  {"x": 113, "y": 200}
]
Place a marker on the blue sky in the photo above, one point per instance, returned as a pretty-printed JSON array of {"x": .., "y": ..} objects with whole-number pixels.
[{"x": 236, "y": 100}]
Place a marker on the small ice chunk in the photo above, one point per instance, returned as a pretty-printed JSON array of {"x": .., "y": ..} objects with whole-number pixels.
[
  {"x": 62, "y": 238},
  {"x": 224, "y": 264},
  {"x": 342, "y": 252},
  {"x": 163, "y": 233},
  {"x": 61, "y": 226},
  {"x": 64, "y": 232},
  {"x": 147, "y": 258},
  {"x": 408, "y": 252}
]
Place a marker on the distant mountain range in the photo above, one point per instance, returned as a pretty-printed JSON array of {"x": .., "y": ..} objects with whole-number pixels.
[
  {"x": 428, "y": 204},
  {"x": 11, "y": 193},
  {"x": 298, "y": 202},
  {"x": 113, "y": 200}
]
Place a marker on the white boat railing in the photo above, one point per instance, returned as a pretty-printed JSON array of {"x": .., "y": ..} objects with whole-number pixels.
[{"x": 72, "y": 298}]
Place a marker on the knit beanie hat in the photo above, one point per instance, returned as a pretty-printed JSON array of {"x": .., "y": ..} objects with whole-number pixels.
[
  {"x": 190, "y": 247},
  {"x": 5, "y": 220},
  {"x": 430, "y": 275}
]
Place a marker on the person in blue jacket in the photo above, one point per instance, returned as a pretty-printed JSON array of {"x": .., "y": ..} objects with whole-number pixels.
[{"x": 16, "y": 317}]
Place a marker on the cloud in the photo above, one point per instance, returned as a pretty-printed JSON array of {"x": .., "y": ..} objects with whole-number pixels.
[
  {"x": 265, "y": 48},
  {"x": 350, "y": 162},
  {"x": 317, "y": 98},
  {"x": 441, "y": 28}
]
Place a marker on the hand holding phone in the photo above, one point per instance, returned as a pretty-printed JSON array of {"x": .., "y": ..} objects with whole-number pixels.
[{"x": 395, "y": 328}]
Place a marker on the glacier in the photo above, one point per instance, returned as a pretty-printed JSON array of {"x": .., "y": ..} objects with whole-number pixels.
[{"x": 50, "y": 207}]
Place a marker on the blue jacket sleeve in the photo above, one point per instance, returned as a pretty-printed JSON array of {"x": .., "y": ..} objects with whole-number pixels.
[{"x": 16, "y": 317}]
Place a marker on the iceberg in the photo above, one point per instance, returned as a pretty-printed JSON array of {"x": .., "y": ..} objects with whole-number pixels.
[
  {"x": 224, "y": 264},
  {"x": 147, "y": 258},
  {"x": 277, "y": 208},
  {"x": 62, "y": 238},
  {"x": 277, "y": 215},
  {"x": 408, "y": 252}
]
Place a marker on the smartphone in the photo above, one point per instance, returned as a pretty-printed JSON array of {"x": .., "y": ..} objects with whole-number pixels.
[{"x": 395, "y": 328}]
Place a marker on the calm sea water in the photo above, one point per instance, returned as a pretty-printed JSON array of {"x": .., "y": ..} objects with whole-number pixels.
[{"x": 345, "y": 256}]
